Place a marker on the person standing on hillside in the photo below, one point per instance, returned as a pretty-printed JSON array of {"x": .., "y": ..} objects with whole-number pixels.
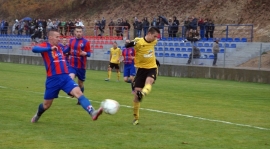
[
  {"x": 79, "y": 50},
  {"x": 210, "y": 28},
  {"x": 58, "y": 77},
  {"x": 111, "y": 27},
  {"x": 175, "y": 26},
  {"x": 201, "y": 24},
  {"x": 145, "y": 25},
  {"x": 135, "y": 26},
  {"x": 215, "y": 50}
]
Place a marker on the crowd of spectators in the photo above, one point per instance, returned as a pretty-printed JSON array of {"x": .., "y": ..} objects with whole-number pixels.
[{"x": 37, "y": 28}]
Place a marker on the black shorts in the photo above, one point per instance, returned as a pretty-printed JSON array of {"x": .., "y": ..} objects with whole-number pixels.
[
  {"x": 113, "y": 65},
  {"x": 142, "y": 74}
]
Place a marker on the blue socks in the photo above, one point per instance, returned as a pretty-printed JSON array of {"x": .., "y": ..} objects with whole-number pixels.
[
  {"x": 85, "y": 103},
  {"x": 41, "y": 110},
  {"x": 82, "y": 89}
]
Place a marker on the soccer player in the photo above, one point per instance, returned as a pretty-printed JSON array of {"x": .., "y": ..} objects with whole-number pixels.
[
  {"x": 79, "y": 50},
  {"x": 129, "y": 68},
  {"x": 58, "y": 77},
  {"x": 64, "y": 46},
  {"x": 115, "y": 55},
  {"x": 146, "y": 63}
]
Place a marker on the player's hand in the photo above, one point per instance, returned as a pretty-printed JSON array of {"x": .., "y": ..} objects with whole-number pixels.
[
  {"x": 54, "y": 48},
  {"x": 127, "y": 41},
  {"x": 157, "y": 62},
  {"x": 83, "y": 53}
]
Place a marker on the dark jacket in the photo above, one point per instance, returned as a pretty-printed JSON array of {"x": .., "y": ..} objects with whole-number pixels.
[
  {"x": 145, "y": 23},
  {"x": 209, "y": 26}
]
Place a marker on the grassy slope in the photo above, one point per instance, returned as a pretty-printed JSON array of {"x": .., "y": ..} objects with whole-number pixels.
[{"x": 66, "y": 125}]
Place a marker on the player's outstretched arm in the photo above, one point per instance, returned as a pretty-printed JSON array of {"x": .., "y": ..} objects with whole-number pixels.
[
  {"x": 130, "y": 43},
  {"x": 38, "y": 49}
]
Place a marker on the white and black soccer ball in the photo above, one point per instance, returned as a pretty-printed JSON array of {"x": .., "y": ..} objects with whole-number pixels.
[{"x": 110, "y": 106}]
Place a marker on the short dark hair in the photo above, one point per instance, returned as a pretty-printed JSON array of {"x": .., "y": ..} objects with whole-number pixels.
[
  {"x": 153, "y": 30},
  {"x": 52, "y": 30},
  {"x": 78, "y": 27}
]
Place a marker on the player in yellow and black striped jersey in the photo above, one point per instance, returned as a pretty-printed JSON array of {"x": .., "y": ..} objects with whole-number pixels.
[
  {"x": 146, "y": 64},
  {"x": 115, "y": 55}
]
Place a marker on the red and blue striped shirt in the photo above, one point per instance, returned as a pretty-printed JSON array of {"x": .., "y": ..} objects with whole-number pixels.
[
  {"x": 54, "y": 60},
  {"x": 76, "y": 46},
  {"x": 128, "y": 54}
]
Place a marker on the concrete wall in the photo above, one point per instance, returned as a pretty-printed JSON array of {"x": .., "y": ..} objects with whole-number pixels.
[{"x": 235, "y": 74}]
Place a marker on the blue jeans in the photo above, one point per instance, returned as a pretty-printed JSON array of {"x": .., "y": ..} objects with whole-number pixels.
[{"x": 139, "y": 33}]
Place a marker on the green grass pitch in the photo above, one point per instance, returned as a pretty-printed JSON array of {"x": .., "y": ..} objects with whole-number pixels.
[{"x": 184, "y": 113}]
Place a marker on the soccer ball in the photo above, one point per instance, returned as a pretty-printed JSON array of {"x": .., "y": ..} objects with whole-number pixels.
[{"x": 110, "y": 106}]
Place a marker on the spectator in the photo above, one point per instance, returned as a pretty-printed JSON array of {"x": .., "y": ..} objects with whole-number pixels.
[
  {"x": 122, "y": 26},
  {"x": 139, "y": 28},
  {"x": 194, "y": 37},
  {"x": 40, "y": 30},
  {"x": 32, "y": 27},
  {"x": 175, "y": 26},
  {"x": 215, "y": 51},
  {"x": 35, "y": 35},
  {"x": 111, "y": 27},
  {"x": 194, "y": 24},
  {"x": 170, "y": 27},
  {"x": 44, "y": 26},
  {"x": 70, "y": 27},
  {"x": 201, "y": 24},
  {"x": 15, "y": 27},
  {"x": 5, "y": 27},
  {"x": 2, "y": 26},
  {"x": 135, "y": 27},
  {"x": 127, "y": 28},
  {"x": 27, "y": 28},
  {"x": 154, "y": 22},
  {"x": 160, "y": 25},
  {"x": 21, "y": 27},
  {"x": 186, "y": 27},
  {"x": 196, "y": 53},
  {"x": 61, "y": 26},
  {"x": 210, "y": 27},
  {"x": 118, "y": 28},
  {"x": 145, "y": 25},
  {"x": 49, "y": 25},
  {"x": 79, "y": 23},
  {"x": 103, "y": 25}
]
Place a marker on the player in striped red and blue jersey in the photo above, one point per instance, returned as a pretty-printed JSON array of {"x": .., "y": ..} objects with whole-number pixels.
[
  {"x": 129, "y": 68},
  {"x": 79, "y": 50},
  {"x": 58, "y": 77},
  {"x": 64, "y": 46}
]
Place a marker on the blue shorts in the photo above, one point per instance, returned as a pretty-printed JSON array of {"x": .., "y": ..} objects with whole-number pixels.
[
  {"x": 129, "y": 70},
  {"x": 56, "y": 83},
  {"x": 80, "y": 73}
]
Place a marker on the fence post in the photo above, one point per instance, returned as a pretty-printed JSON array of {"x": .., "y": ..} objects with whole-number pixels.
[
  {"x": 227, "y": 32},
  {"x": 251, "y": 33},
  {"x": 260, "y": 55}
]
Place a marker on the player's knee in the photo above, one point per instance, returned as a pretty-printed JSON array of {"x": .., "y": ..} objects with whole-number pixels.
[
  {"x": 47, "y": 105},
  {"x": 76, "y": 92},
  {"x": 126, "y": 79}
]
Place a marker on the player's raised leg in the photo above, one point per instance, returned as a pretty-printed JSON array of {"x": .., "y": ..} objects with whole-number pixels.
[{"x": 86, "y": 104}]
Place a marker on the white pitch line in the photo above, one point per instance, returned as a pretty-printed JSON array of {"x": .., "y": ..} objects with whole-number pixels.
[{"x": 170, "y": 113}]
